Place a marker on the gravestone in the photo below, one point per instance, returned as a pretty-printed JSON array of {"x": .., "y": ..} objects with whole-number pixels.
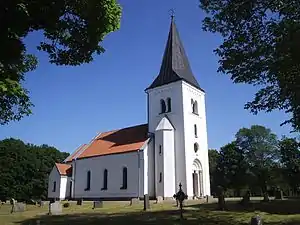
[
  {"x": 18, "y": 207},
  {"x": 209, "y": 199},
  {"x": 279, "y": 194},
  {"x": 98, "y": 205},
  {"x": 55, "y": 208},
  {"x": 159, "y": 199},
  {"x": 146, "y": 202},
  {"x": 180, "y": 196},
  {"x": 41, "y": 203},
  {"x": 79, "y": 202},
  {"x": 256, "y": 220},
  {"x": 134, "y": 201}
]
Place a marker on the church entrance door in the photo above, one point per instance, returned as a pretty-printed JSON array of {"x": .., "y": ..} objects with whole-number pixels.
[{"x": 197, "y": 179}]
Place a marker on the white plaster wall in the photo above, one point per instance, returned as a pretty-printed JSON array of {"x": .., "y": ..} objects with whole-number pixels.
[
  {"x": 54, "y": 176},
  {"x": 189, "y": 92},
  {"x": 168, "y": 154},
  {"x": 151, "y": 168},
  {"x": 159, "y": 186},
  {"x": 173, "y": 91},
  {"x": 63, "y": 187},
  {"x": 69, "y": 180},
  {"x": 144, "y": 171},
  {"x": 114, "y": 164}
]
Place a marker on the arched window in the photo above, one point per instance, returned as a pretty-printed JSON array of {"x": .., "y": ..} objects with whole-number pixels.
[
  {"x": 88, "y": 181},
  {"x": 163, "y": 106},
  {"x": 195, "y": 130},
  {"x": 169, "y": 104},
  {"x": 54, "y": 186},
  {"x": 124, "y": 185},
  {"x": 196, "y": 147},
  {"x": 195, "y": 107},
  {"x": 105, "y": 177},
  {"x": 160, "y": 177},
  {"x": 160, "y": 150}
]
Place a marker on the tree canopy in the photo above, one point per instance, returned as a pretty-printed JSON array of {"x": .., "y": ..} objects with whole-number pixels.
[
  {"x": 72, "y": 32},
  {"x": 258, "y": 161},
  {"x": 260, "y": 47},
  {"x": 24, "y": 169}
]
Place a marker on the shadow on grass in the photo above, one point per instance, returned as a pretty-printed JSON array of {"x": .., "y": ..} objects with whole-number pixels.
[
  {"x": 280, "y": 207},
  {"x": 157, "y": 217}
]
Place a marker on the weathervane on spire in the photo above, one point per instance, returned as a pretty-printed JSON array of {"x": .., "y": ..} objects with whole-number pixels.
[{"x": 172, "y": 13}]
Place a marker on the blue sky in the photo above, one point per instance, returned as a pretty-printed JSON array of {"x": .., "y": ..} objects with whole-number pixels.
[{"x": 73, "y": 104}]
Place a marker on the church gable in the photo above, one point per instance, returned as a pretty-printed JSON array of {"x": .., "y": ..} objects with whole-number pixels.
[
  {"x": 64, "y": 169},
  {"x": 118, "y": 141}
]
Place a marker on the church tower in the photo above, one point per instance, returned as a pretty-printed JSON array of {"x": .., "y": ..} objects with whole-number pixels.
[{"x": 177, "y": 123}]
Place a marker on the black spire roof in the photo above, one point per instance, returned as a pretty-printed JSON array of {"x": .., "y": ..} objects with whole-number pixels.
[{"x": 175, "y": 65}]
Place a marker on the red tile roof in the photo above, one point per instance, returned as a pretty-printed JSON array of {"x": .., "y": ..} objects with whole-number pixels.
[
  {"x": 117, "y": 141},
  {"x": 64, "y": 169}
]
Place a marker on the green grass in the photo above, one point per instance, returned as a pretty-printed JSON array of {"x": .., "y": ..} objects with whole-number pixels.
[{"x": 274, "y": 213}]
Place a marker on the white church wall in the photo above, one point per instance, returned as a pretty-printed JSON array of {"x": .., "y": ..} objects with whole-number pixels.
[
  {"x": 54, "y": 176},
  {"x": 63, "y": 187},
  {"x": 150, "y": 170},
  {"x": 114, "y": 164},
  {"x": 173, "y": 91},
  {"x": 68, "y": 183},
  {"x": 159, "y": 168},
  {"x": 168, "y": 154},
  {"x": 144, "y": 171},
  {"x": 190, "y": 119}
]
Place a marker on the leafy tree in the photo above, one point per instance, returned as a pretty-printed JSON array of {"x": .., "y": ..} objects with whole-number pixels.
[
  {"x": 213, "y": 156},
  {"x": 260, "y": 47},
  {"x": 24, "y": 169},
  {"x": 259, "y": 145},
  {"x": 72, "y": 32},
  {"x": 290, "y": 158},
  {"x": 232, "y": 167}
]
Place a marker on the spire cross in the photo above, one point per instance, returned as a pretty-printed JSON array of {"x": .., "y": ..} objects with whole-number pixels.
[{"x": 172, "y": 13}]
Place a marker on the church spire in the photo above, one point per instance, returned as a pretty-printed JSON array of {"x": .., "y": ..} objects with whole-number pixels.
[{"x": 175, "y": 65}]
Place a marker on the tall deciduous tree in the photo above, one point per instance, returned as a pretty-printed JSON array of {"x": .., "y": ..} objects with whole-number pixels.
[
  {"x": 72, "y": 32},
  {"x": 290, "y": 158},
  {"x": 260, "y": 147},
  {"x": 213, "y": 156},
  {"x": 232, "y": 167},
  {"x": 24, "y": 169},
  {"x": 261, "y": 47}
]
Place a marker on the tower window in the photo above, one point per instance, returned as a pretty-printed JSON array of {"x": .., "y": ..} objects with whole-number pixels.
[
  {"x": 195, "y": 107},
  {"x": 169, "y": 104},
  {"x": 160, "y": 150},
  {"x": 105, "y": 177},
  {"x": 163, "y": 106},
  {"x": 195, "y": 130},
  {"x": 124, "y": 186},
  {"x": 196, "y": 147},
  {"x": 88, "y": 181},
  {"x": 160, "y": 177}
]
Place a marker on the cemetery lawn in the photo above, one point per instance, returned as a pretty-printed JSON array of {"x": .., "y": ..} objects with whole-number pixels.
[{"x": 285, "y": 212}]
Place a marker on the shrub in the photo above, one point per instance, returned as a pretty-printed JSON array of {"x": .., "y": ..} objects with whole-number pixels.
[{"x": 66, "y": 205}]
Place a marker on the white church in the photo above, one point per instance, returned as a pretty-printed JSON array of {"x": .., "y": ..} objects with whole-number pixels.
[{"x": 151, "y": 158}]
